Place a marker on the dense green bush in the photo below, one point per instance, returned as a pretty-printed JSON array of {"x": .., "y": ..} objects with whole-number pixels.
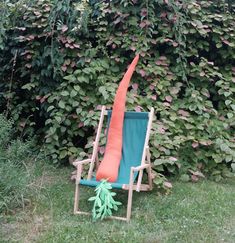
[
  {"x": 15, "y": 172},
  {"x": 60, "y": 60}
]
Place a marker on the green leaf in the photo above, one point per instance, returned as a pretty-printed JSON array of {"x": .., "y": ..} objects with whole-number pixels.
[
  {"x": 71, "y": 78},
  {"x": 77, "y": 87},
  {"x": 158, "y": 181},
  {"x": 64, "y": 93},
  {"x": 97, "y": 216},
  {"x": 227, "y": 102},
  {"x": 233, "y": 107},
  {"x": 118, "y": 203},
  {"x": 73, "y": 150},
  {"x": 92, "y": 199},
  {"x": 102, "y": 89},
  {"x": 50, "y": 108},
  {"x": 224, "y": 147},
  {"x": 75, "y": 103},
  {"x": 28, "y": 86},
  {"x": 109, "y": 212},
  {"x": 61, "y": 104},
  {"x": 73, "y": 93},
  {"x": 58, "y": 119},
  {"x": 233, "y": 167},
  {"x": 184, "y": 178},
  {"x": 226, "y": 94},
  {"x": 63, "y": 154}
]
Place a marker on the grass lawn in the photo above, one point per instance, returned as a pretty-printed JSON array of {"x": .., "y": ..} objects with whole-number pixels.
[{"x": 201, "y": 212}]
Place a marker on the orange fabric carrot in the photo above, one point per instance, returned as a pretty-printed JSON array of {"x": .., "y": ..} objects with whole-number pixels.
[{"x": 109, "y": 166}]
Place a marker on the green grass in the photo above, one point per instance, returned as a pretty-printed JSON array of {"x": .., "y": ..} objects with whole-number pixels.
[{"x": 201, "y": 212}]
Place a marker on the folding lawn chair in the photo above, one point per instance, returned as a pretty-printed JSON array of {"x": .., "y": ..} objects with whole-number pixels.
[{"x": 135, "y": 158}]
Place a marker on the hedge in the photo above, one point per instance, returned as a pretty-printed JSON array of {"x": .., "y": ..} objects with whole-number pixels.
[{"x": 61, "y": 60}]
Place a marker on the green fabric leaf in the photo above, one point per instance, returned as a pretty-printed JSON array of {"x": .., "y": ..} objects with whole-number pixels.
[{"x": 104, "y": 202}]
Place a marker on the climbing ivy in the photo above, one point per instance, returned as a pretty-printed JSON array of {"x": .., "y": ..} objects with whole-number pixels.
[{"x": 61, "y": 60}]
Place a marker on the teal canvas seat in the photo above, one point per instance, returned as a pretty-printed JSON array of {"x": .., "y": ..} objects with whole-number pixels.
[
  {"x": 134, "y": 133},
  {"x": 135, "y": 158}
]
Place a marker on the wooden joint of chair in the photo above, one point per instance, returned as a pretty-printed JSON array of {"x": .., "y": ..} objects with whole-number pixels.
[
  {"x": 141, "y": 167},
  {"x": 80, "y": 162}
]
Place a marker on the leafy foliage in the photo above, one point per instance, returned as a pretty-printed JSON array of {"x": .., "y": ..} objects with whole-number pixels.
[
  {"x": 60, "y": 60},
  {"x": 15, "y": 173},
  {"x": 104, "y": 203}
]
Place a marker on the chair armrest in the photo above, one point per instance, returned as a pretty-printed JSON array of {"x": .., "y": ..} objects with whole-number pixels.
[
  {"x": 78, "y": 164},
  {"x": 81, "y": 162},
  {"x": 141, "y": 167}
]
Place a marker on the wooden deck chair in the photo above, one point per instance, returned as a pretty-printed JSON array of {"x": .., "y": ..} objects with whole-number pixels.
[{"x": 135, "y": 158}]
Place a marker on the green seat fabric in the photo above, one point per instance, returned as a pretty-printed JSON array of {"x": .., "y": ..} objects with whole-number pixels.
[{"x": 134, "y": 133}]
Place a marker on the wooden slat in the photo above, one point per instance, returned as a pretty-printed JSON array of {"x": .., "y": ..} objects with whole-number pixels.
[
  {"x": 130, "y": 194},
  {"x": 141, "y": 167},
  {"x": 143, "y": 187},
  {"x": 150, "y": 180},
  {"x": 145, "y": 146},
  {"x": 96, "y": 143},
  {"x": 85, "y": 161},
  {"x": 110, "y": 217}
]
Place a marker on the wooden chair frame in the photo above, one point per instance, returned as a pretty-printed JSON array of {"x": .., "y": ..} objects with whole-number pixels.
[{"x": 145, "y": 165}]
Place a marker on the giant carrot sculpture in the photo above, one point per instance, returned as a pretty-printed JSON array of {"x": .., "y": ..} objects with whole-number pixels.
[{"x": 109, "y": 166}]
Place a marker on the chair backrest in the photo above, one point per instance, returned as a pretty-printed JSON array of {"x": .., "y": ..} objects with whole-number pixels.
[{"x": 134, "y": 134}]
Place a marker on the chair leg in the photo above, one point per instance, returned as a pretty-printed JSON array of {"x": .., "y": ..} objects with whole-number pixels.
[
  {"x": 150, "y": 180},
  {"x": 149, "y": 170},
  {"x": 76, "y": 198},
  {"x": 130, "y": 194},
  {"x": 129, "y": 204},
  {"x": 77, "y": 188}
]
